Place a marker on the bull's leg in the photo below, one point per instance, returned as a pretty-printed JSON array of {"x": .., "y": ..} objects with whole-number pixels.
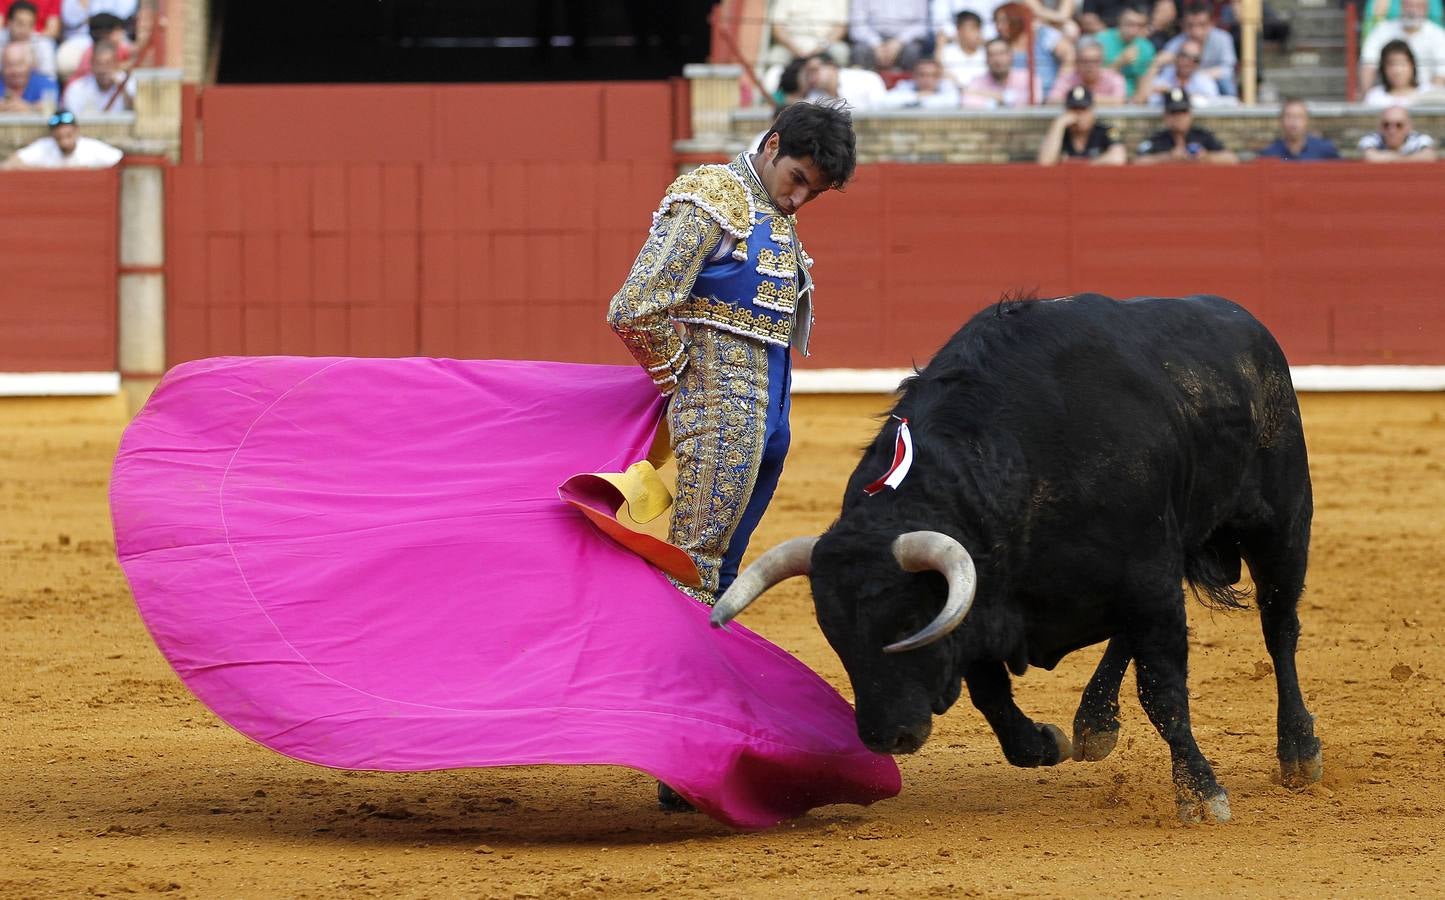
[
  {"x": 1278, "y": 581},
  {"x": 1024, "y": 742},
  {"x": 1161, "y": 666},
  {"x": 1096, "y": 724}
]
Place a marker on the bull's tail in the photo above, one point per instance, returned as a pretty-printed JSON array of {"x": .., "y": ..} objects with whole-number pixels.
[{"x": 1214, "y": 570}]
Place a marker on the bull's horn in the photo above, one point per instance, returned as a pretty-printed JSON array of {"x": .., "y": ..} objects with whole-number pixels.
[
  {"x": 794, "y": 557},
  {"x": 922, "y": 551}
]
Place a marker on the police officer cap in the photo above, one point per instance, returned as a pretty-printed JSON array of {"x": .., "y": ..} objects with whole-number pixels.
[{"x": 1079, "y": 98}]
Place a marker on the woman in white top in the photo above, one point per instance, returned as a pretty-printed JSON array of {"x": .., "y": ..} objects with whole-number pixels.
[{"x": 1399, "y": 77}]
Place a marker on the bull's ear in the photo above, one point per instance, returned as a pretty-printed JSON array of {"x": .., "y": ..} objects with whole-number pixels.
[
  {"x": 923, "y": 551},
  {"x": 788, "y": 559}
]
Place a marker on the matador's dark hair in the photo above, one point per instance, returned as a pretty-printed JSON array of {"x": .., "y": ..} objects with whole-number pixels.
[{"x": 822, "y": 132}]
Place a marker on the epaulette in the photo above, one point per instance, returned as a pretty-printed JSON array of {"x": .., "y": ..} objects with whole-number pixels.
[{"x": 717, "y": 191}]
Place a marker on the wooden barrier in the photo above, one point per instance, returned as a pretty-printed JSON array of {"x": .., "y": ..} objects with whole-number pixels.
[
  {"x": 518, "y": 259},
  {"x": 58, "y": 271}
]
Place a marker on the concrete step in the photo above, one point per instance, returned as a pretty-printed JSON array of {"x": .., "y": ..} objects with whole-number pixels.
[
  {"x": 1306, "y": 25},
  {"x": 1312, "y": 82},
  {"x": 1319, "y": 58}
]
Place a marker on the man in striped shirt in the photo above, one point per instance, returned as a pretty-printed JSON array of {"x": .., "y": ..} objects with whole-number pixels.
[{"x": 1397, "y": 140}]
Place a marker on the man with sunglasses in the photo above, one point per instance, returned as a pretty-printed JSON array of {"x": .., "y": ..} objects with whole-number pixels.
[
  {"x": 1183, "y": 73},
  {"x": 65, "y": 148},
  {"x": 1181, "y": 141},
  {"x": 1397, "y": 141}
]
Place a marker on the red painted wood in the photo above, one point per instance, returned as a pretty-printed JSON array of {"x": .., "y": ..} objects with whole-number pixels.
[
  {"x": 483, "y": 245},
  {"x": 186, "y": 332},
  {"x": 259, "y": 270},
  {"x": 317, "y": 123},
  {"x": 637, "y": 119},
  {"x": 518, "y": 122}
]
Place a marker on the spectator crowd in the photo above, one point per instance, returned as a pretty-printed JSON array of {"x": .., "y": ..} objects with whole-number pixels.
[
  {"x": 1174, "y": 56},
  {"x": 66, "y": 59},
  {"x": 67, "y": 54}
]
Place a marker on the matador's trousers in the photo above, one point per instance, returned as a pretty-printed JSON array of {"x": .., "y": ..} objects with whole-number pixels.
[{"x": 729, "y": 421}]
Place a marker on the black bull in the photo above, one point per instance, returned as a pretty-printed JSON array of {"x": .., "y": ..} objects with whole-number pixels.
[{"x": 1076, "y": 462}]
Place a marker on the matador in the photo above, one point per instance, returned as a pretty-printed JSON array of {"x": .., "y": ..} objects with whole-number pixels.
[{"x": 718, "y": 296}]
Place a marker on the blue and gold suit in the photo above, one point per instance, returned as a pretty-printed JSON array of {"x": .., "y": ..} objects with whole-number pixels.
[{"x": 718, "y": 294}]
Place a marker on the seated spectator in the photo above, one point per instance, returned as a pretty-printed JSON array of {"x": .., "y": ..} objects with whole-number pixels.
[
  {"x": 92, "y": 95},
  {"x": 1106, "y": 87},
  {"x": 1180, "y": 141},
  {"x": 1217, "y": 55},
  {"x": 1052, "y": 51},
  {"x": 27, "y": 89},
  {"x": 790, "y": 83},
  {"x": 65, "y": 148},
  {"x": 889, "y": 34},
  {"x": 47, "y": 16},
  {"x": 1077, "y": 135},
  {"x": 1163, "y": 23},
  {"x": 1426, "y": 40},
  {"x": 1095, "y": 15},
  {"x": 106, "y": 29},
  {"x": 1186, "y": 73},
  {"x": 963, "y": 58},
  {"x": 1002, "y": 86},
  {"x": 945, "y": 20},
  {"x": 1399, "y": 78},
  {"x": 802, "y": 28},
  {"x": 1295, "y": 143},
  {"x": 1391, "y": 10},
  {"x": 823, "y": 79},
  {"x": 927, "y": 89},
  {"x": 20, "y": 29},
  {"x": 1397, "y": 141},
  {"x": 75, "y": 37},
  {"x": 1058, "y": 14},
  {"x": 1126, "y": 50}
]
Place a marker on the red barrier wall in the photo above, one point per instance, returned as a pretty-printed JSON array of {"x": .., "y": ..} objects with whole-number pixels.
[
  {"x": 518, "y": 258},
  {"x": 466, "y": 259},
  {"x": 578, "y": 122},
  {"x": 1341, "y": 261},
  {"x": 58, "y": 271}
]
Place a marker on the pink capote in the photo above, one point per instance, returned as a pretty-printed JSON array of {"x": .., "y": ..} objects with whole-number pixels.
[{"x": 363, "y": 563}]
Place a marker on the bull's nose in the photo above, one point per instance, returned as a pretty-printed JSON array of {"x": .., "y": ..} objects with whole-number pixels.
[{"x": 903, "y": 740}]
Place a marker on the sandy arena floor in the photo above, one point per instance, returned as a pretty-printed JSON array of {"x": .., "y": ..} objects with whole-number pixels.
[{"x": 114, "y": 781}]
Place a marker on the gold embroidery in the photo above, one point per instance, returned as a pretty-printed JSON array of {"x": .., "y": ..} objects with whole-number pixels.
[
  {"x": 778, "y": 265},
  {"x": 728, "y": 317},
  {"x": 782, "y": 229},
  {"x": 718, "y": 424},
  {"x": 740, "y": 252},
  {"x": 663, "y": 274},
  {"x": 717, "y": 191},
  {"x": 778, "y": 296}
]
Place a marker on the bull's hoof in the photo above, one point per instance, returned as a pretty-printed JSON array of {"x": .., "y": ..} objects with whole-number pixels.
[
  {"x": 1301, "y": 773},
  {"x": 671, "y": 801},
  {"x": 1194, "y": 810},
  {"x": 1061, "y": 743},
  {"x": 1092, "y": 746}
]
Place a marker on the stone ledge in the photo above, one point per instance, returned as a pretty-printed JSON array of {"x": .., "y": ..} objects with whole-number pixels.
[{"x": 930, "y": 136}]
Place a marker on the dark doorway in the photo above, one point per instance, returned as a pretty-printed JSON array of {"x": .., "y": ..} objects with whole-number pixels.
[{"x": 339, "y": 41}]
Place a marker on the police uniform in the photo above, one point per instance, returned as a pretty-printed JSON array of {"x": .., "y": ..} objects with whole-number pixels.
[
  {"x": 1196, "y": 141},
  {"x": 717, "y": 296},
  {"x": 1101, "y": 137}
]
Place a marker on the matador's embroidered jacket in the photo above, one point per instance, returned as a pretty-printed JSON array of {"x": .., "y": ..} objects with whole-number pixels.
[
  {"x": 719, "y": 254},
  {"x": 718, "y": 294}
]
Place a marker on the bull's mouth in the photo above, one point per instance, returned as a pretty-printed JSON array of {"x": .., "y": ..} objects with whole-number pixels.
[{"x": 900, "y": 739}]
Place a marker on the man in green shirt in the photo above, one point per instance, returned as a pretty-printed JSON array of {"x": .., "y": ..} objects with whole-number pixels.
[{"x": 1126, "y": 50}]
